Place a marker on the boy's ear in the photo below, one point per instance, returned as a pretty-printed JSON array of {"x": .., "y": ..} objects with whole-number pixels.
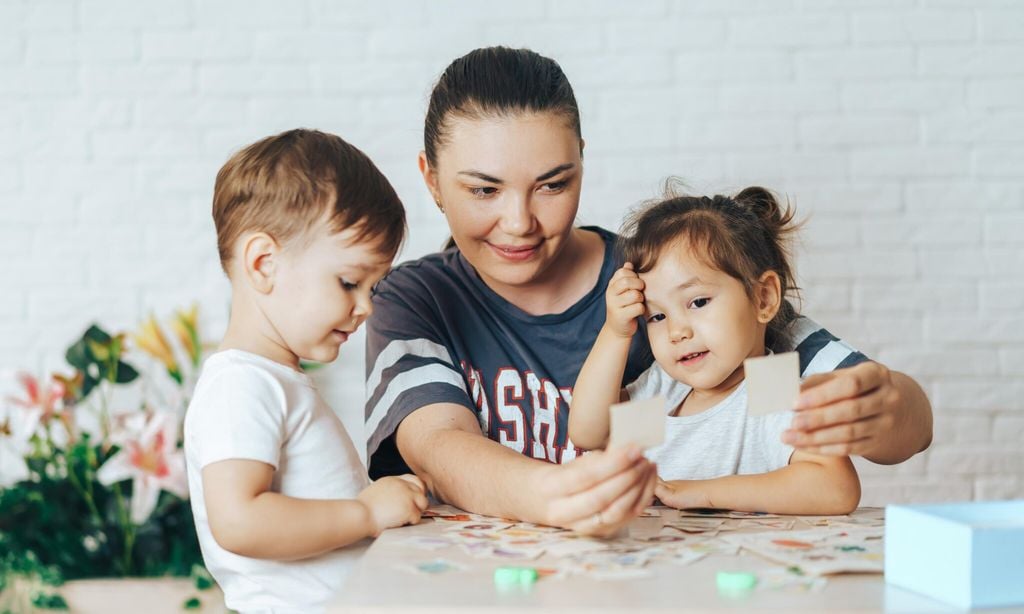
[
  {"x": 429, "y": 177},
  {"x": 768, "y": 296},
  {"x": 259, "y": 257}
]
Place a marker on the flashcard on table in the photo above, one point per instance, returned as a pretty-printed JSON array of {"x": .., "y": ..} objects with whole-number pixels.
[
  {"x": 773, "y": 383},
  {"x": 638, "y": 422},
  {"x": 817, "y": 551},
  {"x": 700, "y": 512}
]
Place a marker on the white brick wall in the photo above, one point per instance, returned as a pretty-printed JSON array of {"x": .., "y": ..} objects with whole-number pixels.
[{"x": 898, "y": 126}]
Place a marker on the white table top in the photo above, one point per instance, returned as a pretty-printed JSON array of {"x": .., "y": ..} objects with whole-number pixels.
[{"x": 378, "y": 585}]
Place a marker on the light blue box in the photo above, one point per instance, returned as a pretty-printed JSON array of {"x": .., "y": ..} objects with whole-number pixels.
[{"x": 968, "y": 554}]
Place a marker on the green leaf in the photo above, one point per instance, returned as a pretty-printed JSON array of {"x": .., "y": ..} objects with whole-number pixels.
[
  {"x": 77, "y": 356},
  {"x": 95, "y": 333},
  {"x": 101, "y": 351},
  {"x": 125, "y": 373},
  {"x": 192, "y": 603}
]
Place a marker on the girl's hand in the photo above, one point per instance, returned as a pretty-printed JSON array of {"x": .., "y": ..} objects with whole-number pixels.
[
  {"x": 600, "y": 492},
  {"x": 846, "y": 411},
  {"x": 681, "y": 494},
  {"x": 625, "y": 301}
]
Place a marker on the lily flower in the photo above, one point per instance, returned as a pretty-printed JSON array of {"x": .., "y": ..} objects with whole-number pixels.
[
  {"x": 16, "y": 430},
  {"x": 153, "y": 461},
  {"x": 185, "y": 325},
  {"x": 43, "y": 399},
  {"x": 151, "y": 340}
]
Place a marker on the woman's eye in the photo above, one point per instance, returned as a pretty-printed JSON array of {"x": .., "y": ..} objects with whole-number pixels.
[
  {"x": 347, "y": 284},
  {"x": 658, "y": 317},
  {"x": 483, "y": 192},
  {"x": 555, "y": 186},
  {"x": 697, "y": 303}
]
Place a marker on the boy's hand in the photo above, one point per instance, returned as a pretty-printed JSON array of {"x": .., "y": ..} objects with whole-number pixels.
[
  {"x": 625, "y": 301},
  {"x": 394, "y": 501},
  {"x": 681, "y": 494}
]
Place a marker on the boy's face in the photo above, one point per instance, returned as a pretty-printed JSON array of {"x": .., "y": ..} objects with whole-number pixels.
[
  {"x": 700, "y": 321},
  {"x": 321, "y": 292}
]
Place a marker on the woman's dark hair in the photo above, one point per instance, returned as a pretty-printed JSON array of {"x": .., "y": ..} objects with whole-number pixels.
[
  {"x": 743, "y": 236},
  {"x": 497, "y": 81}
]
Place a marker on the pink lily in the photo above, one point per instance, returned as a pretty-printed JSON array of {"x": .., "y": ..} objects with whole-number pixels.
[
  {"x": 153, "y": 461},
  {"x": 44, "y": 399}
]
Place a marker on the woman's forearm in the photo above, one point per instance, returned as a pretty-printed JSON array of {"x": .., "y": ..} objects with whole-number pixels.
[
  {"x": 597, "y": 388},
  {"x": 912, "y": 432},
  {"x": 443, "y": 445}
]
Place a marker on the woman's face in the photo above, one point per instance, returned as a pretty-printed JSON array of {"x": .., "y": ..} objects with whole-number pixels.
[{"x": 510, "y": 188}]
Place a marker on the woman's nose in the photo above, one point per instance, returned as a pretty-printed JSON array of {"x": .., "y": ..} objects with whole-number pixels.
[{"x": 517, "y": 218}]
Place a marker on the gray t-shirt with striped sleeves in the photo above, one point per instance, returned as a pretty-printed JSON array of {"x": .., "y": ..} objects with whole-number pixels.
[{"x": 439, "y": 334}]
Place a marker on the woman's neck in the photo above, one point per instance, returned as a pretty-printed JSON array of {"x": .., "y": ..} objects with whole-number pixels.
[{"x": 566, "y": 280}]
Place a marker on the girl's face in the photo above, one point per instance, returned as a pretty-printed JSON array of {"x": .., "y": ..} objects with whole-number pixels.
[
  {"x": 700, "y": 321},
  {"x": 510, "y": 188}
]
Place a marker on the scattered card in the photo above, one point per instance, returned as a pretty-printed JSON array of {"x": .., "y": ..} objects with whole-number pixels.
[
  {"x": 773, "y": 383},
  {"x": 638, "y": 422}
]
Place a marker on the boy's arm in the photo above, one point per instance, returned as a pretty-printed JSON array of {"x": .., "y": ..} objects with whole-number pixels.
[
  {"x": 597, "y": 388},
  {"x": 249, "y": 520},
  {"x": 810, "y": 484}
]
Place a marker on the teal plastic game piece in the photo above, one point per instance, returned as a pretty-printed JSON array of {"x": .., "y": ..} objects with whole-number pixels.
[
  {"x": 735, "y": 581},
  {"x": 506, "y": 576}
]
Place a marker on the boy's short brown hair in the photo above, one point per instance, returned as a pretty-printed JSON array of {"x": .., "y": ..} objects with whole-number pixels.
[{"x": 286, "y": 184}]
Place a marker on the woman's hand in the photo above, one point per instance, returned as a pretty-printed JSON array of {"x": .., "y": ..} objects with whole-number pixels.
[
  {"x": 845, "y": 412},
  {"x": 624, "y": 300},
  {"x": 600, "y": 492}
]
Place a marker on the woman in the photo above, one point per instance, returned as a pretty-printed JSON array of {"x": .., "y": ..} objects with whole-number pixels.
[{"x": 472, "y": 353}]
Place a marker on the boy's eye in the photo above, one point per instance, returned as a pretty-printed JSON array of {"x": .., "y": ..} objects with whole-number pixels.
[
  {"x": 697, "y": 303},
  {"x": 658, "y": 317},
  {"x": 347, "y": 284}
]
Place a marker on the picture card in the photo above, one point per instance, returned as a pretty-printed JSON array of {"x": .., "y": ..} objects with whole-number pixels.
[
  {"x": 638, "y": 422},
  {"x": 773, "y": 383}
]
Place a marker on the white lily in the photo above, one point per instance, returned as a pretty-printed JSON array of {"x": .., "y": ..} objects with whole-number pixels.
[
  {"x": 16, "y": 429},
  {"x": 153, "y": 462}
]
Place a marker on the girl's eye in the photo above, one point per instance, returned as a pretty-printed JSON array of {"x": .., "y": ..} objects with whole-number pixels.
[
  {"x": 483, "y": 192},
  {"x": 347, "y": 285},
  {"x": 697, "y": 303},
  {"x": 555, "y": 186},
  {"x": 658, "y": 317}
]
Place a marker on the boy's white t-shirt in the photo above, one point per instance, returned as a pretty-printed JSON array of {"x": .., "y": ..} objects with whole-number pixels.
[{"x": 249, "y": 407}]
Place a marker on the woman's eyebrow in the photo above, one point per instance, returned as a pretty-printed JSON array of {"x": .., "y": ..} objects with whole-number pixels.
[
  {"x": 483, "y": 176},
  {"x": 547, "y": 175},
  {"x": 558, "y": 169}
]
